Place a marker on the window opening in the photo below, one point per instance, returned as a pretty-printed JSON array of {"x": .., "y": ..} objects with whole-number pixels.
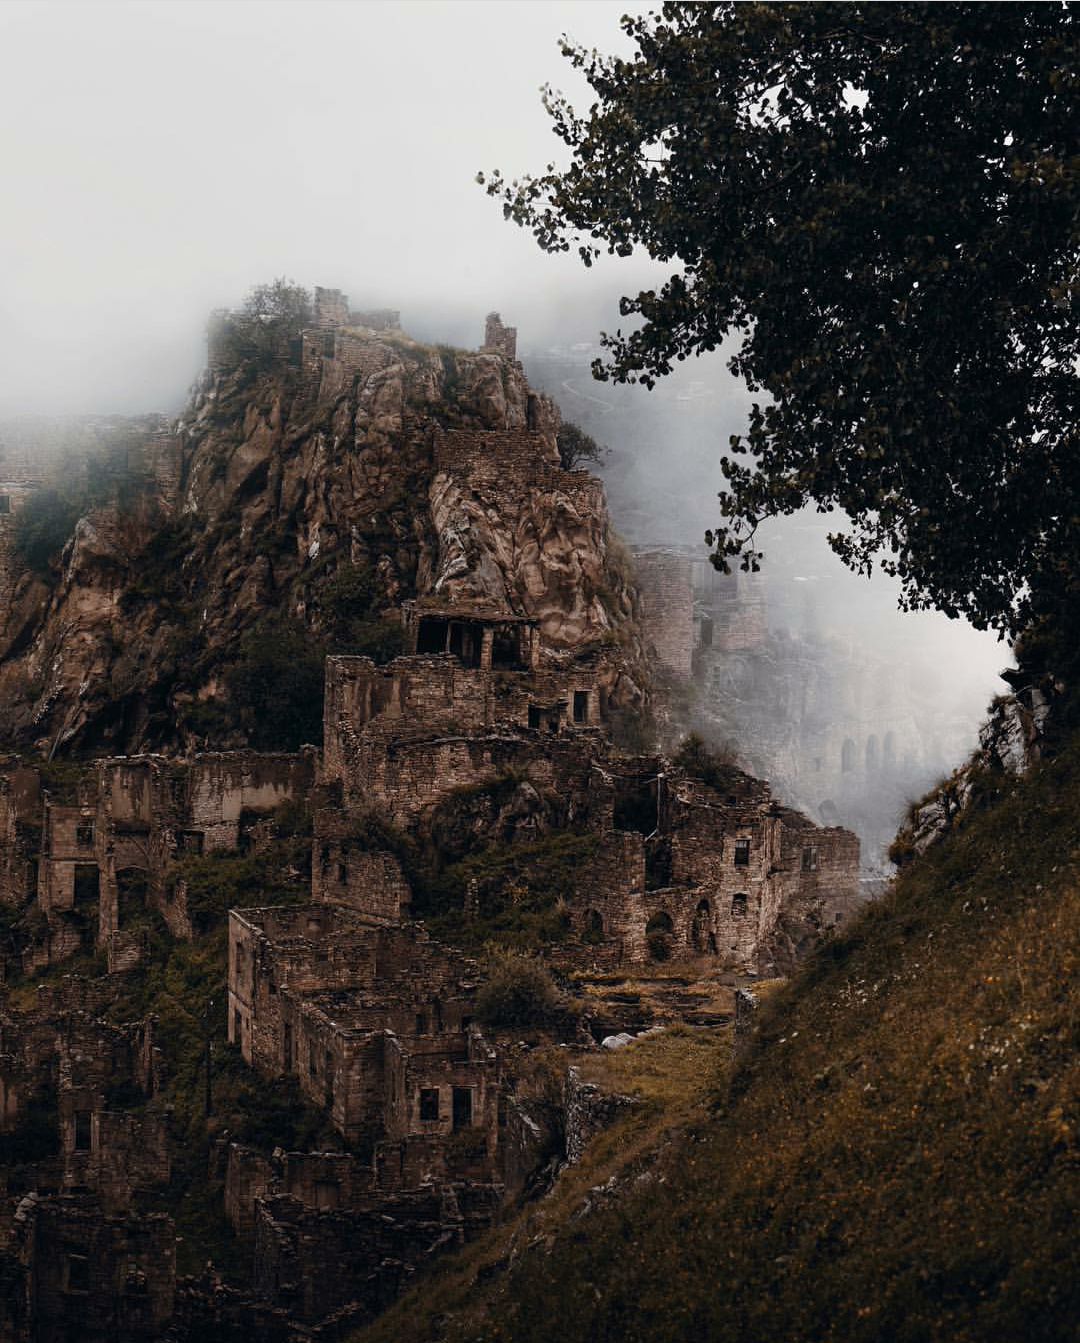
[
  {"x": 431, "y": 635},
  {"x": 78, "y": 1273},
  {"x": 810, "y": 858},
  {"x": 740, "y": 903},
  {"x": 742, "y": 853},
  {"x": 327, "y": 1194},
  {"x": 429, "y": 1104},
  {"x": 82, "y": 1130},
  {"x": 462, "y": 1107},
  {"x": 581, "y": 706},
  {"x": 84, "y": 835}
]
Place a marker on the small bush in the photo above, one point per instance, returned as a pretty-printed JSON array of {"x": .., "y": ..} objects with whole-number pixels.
[
  {"x": 276, "y": 686},
  {"x": 520, "y": 992},
  {"x": 659, "y": 944},
  {"x": 43, "y": 527},
  {"x": 713, "y": 763}
]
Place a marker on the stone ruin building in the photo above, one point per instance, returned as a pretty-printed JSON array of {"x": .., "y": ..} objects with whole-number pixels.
[
  {"x": 834, "y": 727},
  {"x": 346, "y": 992}
]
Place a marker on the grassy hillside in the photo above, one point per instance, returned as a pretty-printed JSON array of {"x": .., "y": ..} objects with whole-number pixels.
[{"x": 897, "y": 1158}]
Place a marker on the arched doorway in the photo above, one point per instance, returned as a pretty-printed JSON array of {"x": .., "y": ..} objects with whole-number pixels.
[
  {"x": 700, "y": 928},
  {"x": 658, "y": 935}
]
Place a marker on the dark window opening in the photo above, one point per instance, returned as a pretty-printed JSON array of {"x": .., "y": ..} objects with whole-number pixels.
[
  {"x": 636, "y": 805},
  {"x": 838, "y": 917},
  {"x": 238, "y": 959},
  {"x": 706, "y": 633},
  {"x": 87, "y": 884},
  {"x": 658, "y": 933},
  {"x": 328, "y": 1063},
  {"x": 871, "y": 753},
  {"x": 328, "y": 345},
  {"x": 466, "y": 1022},
  {"x": 534, "y": 717},
  {"x": 84, "y": 835},
  {"x": 131, "y": 888},
  {"x": 327, "y": 1194},
  {"x": 342, "y": 873},
  {"x": 581, "y": 706},
  {"x": 190, "y": 841},
  {"x": 810, "y": 858},
  {"x": 324, "y": 857},
  {"x": 466, "y": 643},
  {"x": 742, "y": 853},
  {"x": 506, "y": 649},
  {"x": 421, "y": 1023},
  {"x": 321, "y": 956},
  {"x": 889, "y": 750},
  {"x": 313, "y": 1067},
  {"x": 699, "y": 933},
  {"x": 658, "y": 862},
  {"x": 78, "y": 1273},
  {"x": 82, "y": 1130},
  {"x": 288, "y": 1051},
  {"x": 817, "y": 764},
  {"x": 429, "y": 1104},
  {"x": 238, "y": 1028},
  {"x": 593, "y": 930},
  {"x": 431, "y": 635},
  {"x": 462, "y": 1107},
  {"x": 5, "y": 503},
  {"x": 740, "y": 903},
  {"x": 847, "y": 756}
]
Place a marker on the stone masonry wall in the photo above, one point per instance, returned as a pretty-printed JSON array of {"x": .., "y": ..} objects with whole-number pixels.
[{"x": 665, "y": 578}]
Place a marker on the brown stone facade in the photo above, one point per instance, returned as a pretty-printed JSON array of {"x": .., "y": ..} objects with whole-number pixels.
[{"x": 502, "y": 339}]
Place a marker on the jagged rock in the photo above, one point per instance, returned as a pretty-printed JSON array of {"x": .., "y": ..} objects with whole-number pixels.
[{"x": 280, "y": 476}]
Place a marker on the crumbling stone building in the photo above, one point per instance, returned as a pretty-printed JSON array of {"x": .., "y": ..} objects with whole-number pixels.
[{"x": 516, "y": 654}]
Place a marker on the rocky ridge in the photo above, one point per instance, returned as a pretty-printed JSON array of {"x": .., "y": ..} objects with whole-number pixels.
[{"x": 283, "y": 478}]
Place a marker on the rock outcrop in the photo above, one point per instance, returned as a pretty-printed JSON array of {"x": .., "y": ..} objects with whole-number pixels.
[{"x": 283, "y": 474}]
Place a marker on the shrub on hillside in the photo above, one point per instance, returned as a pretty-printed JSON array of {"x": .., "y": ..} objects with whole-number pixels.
[{"x": 519, "y": 992}]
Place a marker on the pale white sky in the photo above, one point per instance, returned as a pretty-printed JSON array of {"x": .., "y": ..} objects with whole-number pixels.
[{"x": 158, "y": 158}]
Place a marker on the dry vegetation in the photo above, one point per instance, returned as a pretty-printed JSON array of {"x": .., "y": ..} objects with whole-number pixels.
[{"x": 897, "y": 1157}]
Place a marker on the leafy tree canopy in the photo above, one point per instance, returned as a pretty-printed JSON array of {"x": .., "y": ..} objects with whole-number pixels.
[
  {"x": 577, "y": 448},
  {"x": 272, "y": 316},
  {"x": 879, "y": 202}
]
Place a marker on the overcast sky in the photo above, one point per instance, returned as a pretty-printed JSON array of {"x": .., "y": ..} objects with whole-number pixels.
[{"x": 160, "y": 158}]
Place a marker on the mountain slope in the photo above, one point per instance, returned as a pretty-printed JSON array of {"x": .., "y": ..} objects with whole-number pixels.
[
  {"x": 897, "y": 1156},
  {"x": 287, "y": 478}
]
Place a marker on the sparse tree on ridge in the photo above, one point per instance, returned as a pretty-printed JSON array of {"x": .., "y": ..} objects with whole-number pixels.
[
  {"x": 880, "y": 203},
  {"x": 577, "y": 448}
]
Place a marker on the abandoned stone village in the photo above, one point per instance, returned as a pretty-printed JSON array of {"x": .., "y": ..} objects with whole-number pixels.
[{"x": 508, "y": 706}]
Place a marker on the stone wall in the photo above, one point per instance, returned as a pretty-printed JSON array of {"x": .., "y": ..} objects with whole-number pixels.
[
  {"x": 667, "y": 599},
  {"x": 498, "y": 338},
  {"x": 13, "y": 495},
  {"x": 345, "y": 872},
  {"x": 88, "y": 1275}
]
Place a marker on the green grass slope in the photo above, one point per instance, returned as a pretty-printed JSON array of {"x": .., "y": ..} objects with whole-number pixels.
[{"x": 896, "y": 1158}]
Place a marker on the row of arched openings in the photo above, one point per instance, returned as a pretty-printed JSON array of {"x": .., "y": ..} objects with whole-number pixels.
[{"x": 849, "y": 753}]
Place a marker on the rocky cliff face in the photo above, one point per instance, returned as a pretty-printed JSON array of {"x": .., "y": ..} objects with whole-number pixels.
[
  {"x": 282, "y": 477},
  {"x": 1012, "y": 741}
]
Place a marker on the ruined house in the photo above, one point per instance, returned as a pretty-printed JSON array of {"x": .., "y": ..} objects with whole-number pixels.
[{"x": 517, "y": 651}]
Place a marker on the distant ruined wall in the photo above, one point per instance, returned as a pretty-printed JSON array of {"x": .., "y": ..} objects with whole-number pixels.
[
  {"x": 665, "y": 579},
  {"x": 502, "y": 339}
]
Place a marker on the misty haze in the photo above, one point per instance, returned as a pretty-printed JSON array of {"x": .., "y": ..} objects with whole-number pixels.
[{"x": 403, "y": 819}]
